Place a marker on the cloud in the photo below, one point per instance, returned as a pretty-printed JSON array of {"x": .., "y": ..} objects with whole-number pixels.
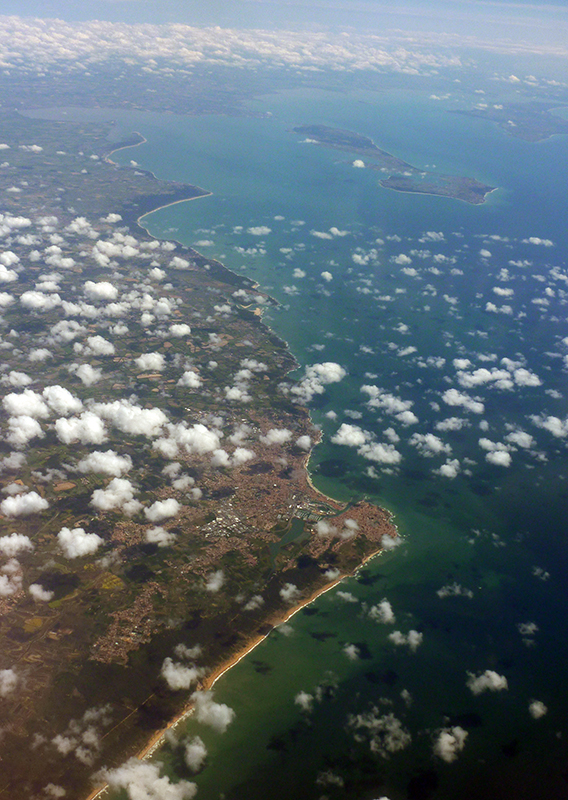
[
  {"x": 500, "y": 378},
  {"x": 450, "y": 469},
  {"x": 10, "y": 578},
  {"x": 305, "y": 701},
  {"x": 61, "y": 401},
  {"x": 390, "y": 542},
  {"x": 276, "y": 436},
  {"x": 142, "y": 781},
  {"x": 241, "y": 455},
  {"x": 15, "y": 543},
  {"x": 432, "y": 236},
  {"x": 87, "y": 374},
  {"x": 7, "y": 275},
  {"x": 316, "y": 378},
  {"x": 119, "y": 493},
  {"x": 192, "y": 653},
  {"x": 132, "y": 419},
  {"x": 256, "y": 601},
  {"x": 449, "y": 743},
  {"x": 454, "y": 590},
  {"x": 347, "y": 597},
  {"x": 194, "y": 753},
  {"x": 538, "y": 241},
  {"x": 391, "y": 404},
  {"x": 352, "y": 652},
  {"x": 190, "y": 380},
  {"x": 12, "y": 461},
  {"x": 488, "y": 680},
  {"x": 103, "y": 290},
  {"x": 151, "y": 361},
  {"x": 412, "y": 639},
  {"x": 28, "y": 403},
  {"x": 428, "y": 444},
  {"x": 8, "y": 681},
  {"x": 87, "y": 429},
  {"x": 521, "y": 439},
  {"x": 350, "y": 435},
  {"x": 324, "y": 528},
  {"x": 385, "y": 731},
  {"x": 499, "y": 457},
  {"x": 6, "y": 299},
  {"x": 76, "y": 543},
  {"x": 327, "y": 276},
  {"x": 453, "y": 397},
  {"x": 537, "y": 709},
  {"x": 38, "y": 301},
  {"x": 181, "y": 48},
  {"x": 160, "y": 536},
  {"x": 354, "y": 436},
  {"x": 557, "y": 427},
  {"x": 380, "y": 453},
  {"x": 382, "y": 612},
  {"x": 162, "y": 509},
  {"x": 259, "y": 230},
  {"x": 39, "y": 594},
  {"x": 527, "y": 628},
  {"x": 451, "y": 424},
  {"x": 289, "y": 593},
  {"x": 220, "y": 458},
  {"x": 180, "y": 329},
  {"x": 23, "y": 505},
  {"x": 98, "y": 346},
  {"x": 108, "y": 462},
  {"x": 358, "y": 164},
  {"x": 217, "y": 715},
  {"x": 195, "y": 440},
  {"x": 497, "y": 452},
  {"x": 66, "y": 330},
  {"x": 215, "y": 581},
  {"x": 401, "y": 259},
  {"x": 178, "y": 676}
]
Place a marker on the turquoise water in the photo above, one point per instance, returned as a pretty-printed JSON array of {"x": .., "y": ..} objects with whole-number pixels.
[{"x": 497, "y": 531}]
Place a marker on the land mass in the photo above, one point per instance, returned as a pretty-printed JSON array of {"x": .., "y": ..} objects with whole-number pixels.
[
  {"x": 153, "y": 461},
  {"x": 402, "y": 176},
  {"x": 532, "y": 121}
]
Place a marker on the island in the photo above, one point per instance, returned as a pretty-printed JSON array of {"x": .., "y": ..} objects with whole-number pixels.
[
  {"x": 402, "y": 176},
  {"x": 156, "y": 518}
]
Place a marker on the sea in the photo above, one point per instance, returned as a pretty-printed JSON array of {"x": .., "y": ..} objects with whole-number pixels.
[{"x": 453, "y": 317}]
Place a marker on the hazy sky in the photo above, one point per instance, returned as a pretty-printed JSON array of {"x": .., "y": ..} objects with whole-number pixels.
[{"x": 535, "y": 21}]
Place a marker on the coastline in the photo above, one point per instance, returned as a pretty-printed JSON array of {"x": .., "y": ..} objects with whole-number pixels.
[
  {"x": 167, "y": 205},
  {"x": 143, "y": 140},
  {"x": 107, "y": 156},
  {"x": 159, "y": 737}
]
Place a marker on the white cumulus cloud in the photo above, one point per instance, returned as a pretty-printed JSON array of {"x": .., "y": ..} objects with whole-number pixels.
[
  {"x": 76, "y": 543},
  {"x": 486, "y": 681}
]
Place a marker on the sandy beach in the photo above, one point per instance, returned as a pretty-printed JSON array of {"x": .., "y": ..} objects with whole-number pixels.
[{"x": 159, "y": 737}]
